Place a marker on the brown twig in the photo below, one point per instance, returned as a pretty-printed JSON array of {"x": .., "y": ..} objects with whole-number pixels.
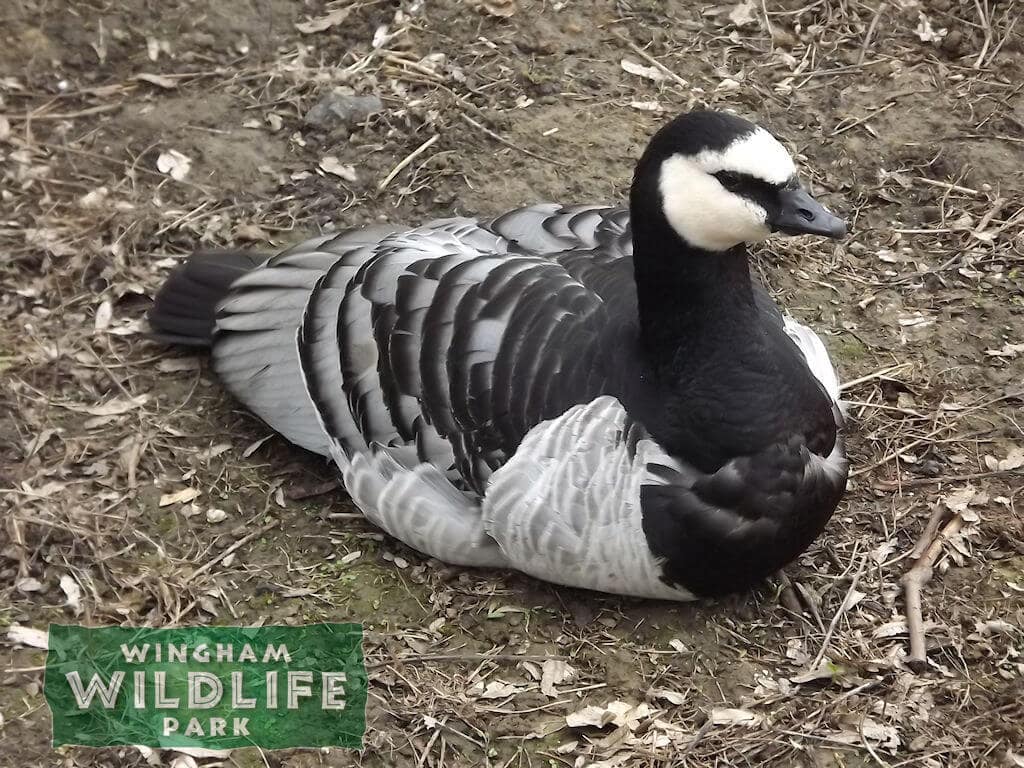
[
  {"x": 502, "y": 140},
  {"x": 240, "y": 543},
  {"x": 651, "y": 60},
  {"x": 99, "y": 109},
  {"x": 930, "y": 546},
  {"x": 404, "y": 162}
]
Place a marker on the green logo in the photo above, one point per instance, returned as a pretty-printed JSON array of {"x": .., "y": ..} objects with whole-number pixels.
[{"x": 212, "y": 687}]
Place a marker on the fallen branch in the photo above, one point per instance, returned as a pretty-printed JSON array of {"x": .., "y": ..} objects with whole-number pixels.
[
  {"x": 926, "y": 551},
  {"x": 406, "y": 160},
  {"x": 234, "y": 547}
]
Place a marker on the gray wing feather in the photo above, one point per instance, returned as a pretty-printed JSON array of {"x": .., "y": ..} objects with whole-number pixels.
[
  {"x": 255, "y": 350},
  {"x": 566, "y": 507}
]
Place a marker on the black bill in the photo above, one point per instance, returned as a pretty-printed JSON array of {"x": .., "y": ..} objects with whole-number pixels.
[{"x": 801, "y": 214}]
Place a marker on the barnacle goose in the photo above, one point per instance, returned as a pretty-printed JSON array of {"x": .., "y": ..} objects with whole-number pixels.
[{"x": 598, "y": 396}]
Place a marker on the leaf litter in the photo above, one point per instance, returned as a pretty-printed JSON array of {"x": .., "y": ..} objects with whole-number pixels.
[{"x": 107, "y": 424}]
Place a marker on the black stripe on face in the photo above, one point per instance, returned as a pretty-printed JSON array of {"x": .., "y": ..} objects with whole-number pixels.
[
  {"x": 759, "y": 191},
  {"x": 750, "y": 186}
]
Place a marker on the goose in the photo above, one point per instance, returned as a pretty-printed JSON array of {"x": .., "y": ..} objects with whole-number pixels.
[{"x": 598, "y": 396}]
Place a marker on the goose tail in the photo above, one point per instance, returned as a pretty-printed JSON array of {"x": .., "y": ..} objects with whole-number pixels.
[{"x": 185, "y": 309}]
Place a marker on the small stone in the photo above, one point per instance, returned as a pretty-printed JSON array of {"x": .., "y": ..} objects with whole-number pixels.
[
  {"x": 953, "y": 42},
  {"x": 336, "y": 109},
  {"x": 783, "y": 37},
  {"x": 216, "y": 515}
]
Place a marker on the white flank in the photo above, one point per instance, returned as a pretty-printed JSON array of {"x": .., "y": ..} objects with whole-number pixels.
[{"x": 566, "y": 507}]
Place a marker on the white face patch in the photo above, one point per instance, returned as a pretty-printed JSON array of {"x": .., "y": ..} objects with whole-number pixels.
[
  {"x": 706, "y": 214},
  {"x": 703, "y": 212}
]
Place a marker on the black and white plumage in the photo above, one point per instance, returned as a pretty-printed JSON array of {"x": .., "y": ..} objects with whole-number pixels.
[{"x": 600, "y": 397}]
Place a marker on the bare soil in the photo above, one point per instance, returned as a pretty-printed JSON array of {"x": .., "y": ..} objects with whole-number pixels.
[{"x": 907, "y": 116}]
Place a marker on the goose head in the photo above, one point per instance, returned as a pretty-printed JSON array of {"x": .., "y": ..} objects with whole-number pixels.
[{"x": 718, "y": 180}]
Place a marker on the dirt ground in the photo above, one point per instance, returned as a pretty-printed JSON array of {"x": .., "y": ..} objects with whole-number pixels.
[{"x": 134, "y": 491}]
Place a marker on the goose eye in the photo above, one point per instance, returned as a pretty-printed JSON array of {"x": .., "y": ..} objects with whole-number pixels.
[{"x": 731, "y": 181}]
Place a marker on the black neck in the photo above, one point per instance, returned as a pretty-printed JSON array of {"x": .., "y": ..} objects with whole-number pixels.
[
  {"x": 683, "y": 292},
  {"x": 712, "y": 357}
]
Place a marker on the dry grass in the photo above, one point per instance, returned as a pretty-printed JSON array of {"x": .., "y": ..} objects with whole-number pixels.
[{"x": 136, "y": 493}]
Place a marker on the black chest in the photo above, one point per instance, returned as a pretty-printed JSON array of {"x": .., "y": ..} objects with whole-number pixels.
[{"x": 724, "y": 382}]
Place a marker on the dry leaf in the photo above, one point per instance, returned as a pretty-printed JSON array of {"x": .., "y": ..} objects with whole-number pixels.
[
  {"x": 45, "y": 490},
  {"x": 554, "y": 672},
  {"x": 620, "y": 713},
  {"x": 883, "y": 551},
  {"x": 866, "y": 729},
  {"x": 213, "y": 451},
  {"x": 322, "y": 23},
  {"x": 104, "y": 314},
  {"x": 180, "y": 497},
  {"x": 37, "y": 442},
  {"x": 729, "y": 716},
  {"x": 597, "y": 717},
  {"x": 531, "y": 669},
  {"x": 201, "y": 751},
  {"x": 251, "y": 233},
  {"x": 113, "y": 407},
  {"x": 496, "y": 689},
  {"x": 190, "y": 510},
  {"x": 174, "y": 164},
  {"x": 648, "y": 73},
  {"x": 1014, "y": 460},
  {"x": 1008, "y": 351},
  {"x": 253, "y": 447},
  {"x": 333, "y": 165},
  {"x": 29, "y": 584},
  {"x": 925, "y": 32},
  {"x": 72, "y": 592},
  {"x": 380, "y": 36},
  {"x": 743, "y": 14},
  {"x": 351, "y": 557},
  {"x": 160, "y": 81},
  {"x": 996, "y": 625},
  {"x": 672, "y": 697},
  {"x": 890, "y": 629},
  {"x": 500, "y": 8},
  {"x": 827, "y": 671},
  {"x": 94, "y": 198},
  {"x": 178, "y": 364},
  {"x": 957, "y": 501},
  {"x": 647, "y": 106},
  {"x": 33, "y": 638}
]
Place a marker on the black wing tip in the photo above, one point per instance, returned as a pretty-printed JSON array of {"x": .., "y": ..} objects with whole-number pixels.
[{"x": 184, "y": 309}]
